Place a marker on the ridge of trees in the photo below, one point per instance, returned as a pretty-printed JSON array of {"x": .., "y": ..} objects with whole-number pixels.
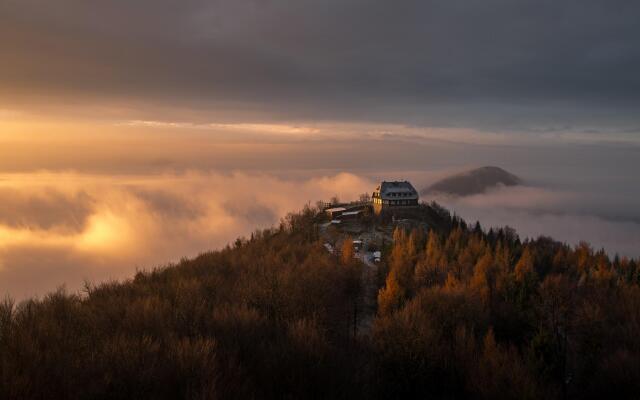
[
  {"x": 468, "y": 313},
  {"x": 462, "y": 313}
]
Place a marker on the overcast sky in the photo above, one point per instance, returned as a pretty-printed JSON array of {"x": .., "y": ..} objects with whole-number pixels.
[
  {"x": 533, "y": 65},
  {"x": 136, "y": 132}
]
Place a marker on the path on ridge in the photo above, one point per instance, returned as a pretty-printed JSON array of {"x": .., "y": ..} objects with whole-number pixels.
[{"x": 369, "y": 293}]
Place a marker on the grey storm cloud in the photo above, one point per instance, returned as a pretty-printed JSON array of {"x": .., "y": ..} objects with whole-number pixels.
[{"x": 493, "y": 63}]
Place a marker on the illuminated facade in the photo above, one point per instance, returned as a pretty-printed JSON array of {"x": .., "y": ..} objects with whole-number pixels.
[{"x": 394, "y": 194}]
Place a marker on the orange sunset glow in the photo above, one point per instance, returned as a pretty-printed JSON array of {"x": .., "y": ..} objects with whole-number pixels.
[{"x": 291, "y": 199}]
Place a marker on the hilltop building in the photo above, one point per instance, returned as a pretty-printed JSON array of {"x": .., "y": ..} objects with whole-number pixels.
[{"x": 396, "y": 194}]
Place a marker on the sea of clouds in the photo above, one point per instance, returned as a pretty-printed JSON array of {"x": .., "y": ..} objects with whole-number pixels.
[
  {"x": 99, "y": 207},
  {"x": 65, "y": 228},
  {"x": 604, "y": 220}
]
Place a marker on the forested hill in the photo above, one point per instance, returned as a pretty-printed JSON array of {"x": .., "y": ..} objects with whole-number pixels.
[
  {"x": 472, "y": 182},
  {"x": 461, "y": 313}
]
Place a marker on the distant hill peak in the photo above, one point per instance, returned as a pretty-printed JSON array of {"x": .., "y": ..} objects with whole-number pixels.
[{"x": 472, "y": 182}]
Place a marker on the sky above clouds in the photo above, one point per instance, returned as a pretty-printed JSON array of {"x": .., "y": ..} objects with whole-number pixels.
[{"x": 133, "y": 133}]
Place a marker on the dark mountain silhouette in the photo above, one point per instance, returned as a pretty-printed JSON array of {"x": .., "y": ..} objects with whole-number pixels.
[{"x": 473, "y": 182}]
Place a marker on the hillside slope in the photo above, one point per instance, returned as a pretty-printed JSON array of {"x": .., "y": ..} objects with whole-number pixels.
[{"x": 461, "y": 313}]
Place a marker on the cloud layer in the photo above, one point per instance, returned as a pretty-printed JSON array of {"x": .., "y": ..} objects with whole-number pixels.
[
  {"x": 60, "y": 228},
  {"x": 496, "y": 64},
  {"x": 64, "y": 227},
  {"x": 607, "y": 220}
]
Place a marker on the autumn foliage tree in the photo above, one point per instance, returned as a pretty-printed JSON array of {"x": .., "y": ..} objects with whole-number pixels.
[
  {"x": 347, "y": 251},
  {"x": 540, "y": 318},
  {"x": 461, "y": 313}
]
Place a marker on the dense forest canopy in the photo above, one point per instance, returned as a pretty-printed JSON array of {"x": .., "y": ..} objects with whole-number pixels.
[{"x": 461, "y": 312}]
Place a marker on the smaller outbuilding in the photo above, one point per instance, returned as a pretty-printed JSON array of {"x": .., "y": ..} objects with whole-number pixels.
[
  {"x": 351, "y": 215},
  {"x": 335, "y": 212}
]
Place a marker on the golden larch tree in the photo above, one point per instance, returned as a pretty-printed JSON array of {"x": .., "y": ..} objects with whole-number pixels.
[
  {"x": 524, "y": 267},
  {"x": 347, "y": 251}
]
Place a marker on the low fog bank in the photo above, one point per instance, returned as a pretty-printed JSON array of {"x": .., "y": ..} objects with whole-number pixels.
[
  {"x": 64, "y": 228},
  {"x": 606, "y": 219}
]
